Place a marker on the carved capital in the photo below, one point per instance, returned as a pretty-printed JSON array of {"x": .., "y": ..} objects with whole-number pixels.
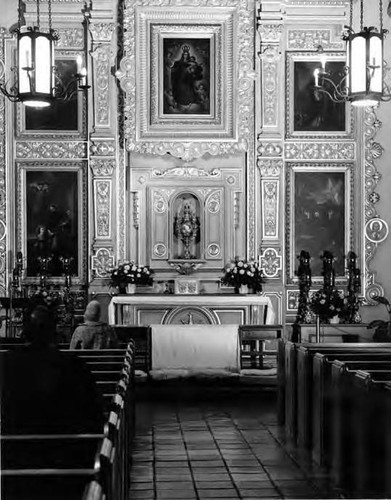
[
  {"x": 102, "y": 168},
  {"x": 269, "y": 32},
  {"x": 269, "y": 168},
  {"x": 101, "y": 32}
]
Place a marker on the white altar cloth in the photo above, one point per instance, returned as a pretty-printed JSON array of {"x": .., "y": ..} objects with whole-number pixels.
[{"x": 195, "y": 347}]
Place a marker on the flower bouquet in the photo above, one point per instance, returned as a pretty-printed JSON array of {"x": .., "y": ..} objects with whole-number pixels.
[
  {"x": 130, "y": 273},
  {"x": 240, "y": 272},
  {"x": 327, "y": 304}
]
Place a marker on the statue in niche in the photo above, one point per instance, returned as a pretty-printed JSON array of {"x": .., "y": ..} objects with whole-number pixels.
[{"x": 187, "y": 227}]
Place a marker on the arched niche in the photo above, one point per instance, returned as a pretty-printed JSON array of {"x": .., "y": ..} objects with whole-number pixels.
[{"x": 187, "y": 227}]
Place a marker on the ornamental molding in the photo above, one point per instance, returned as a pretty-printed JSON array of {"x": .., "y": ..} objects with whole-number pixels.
[
  {"x": 51, "y": 150},
  {"x": 3, "y": 192},
  {"x": 270, "y": 58},
  {"x": 376, "y": 229},
  {"x": 186, "y": 172},
  {"x": 213, "y": 202},
  {"x": 270, "y": 168},
  {"x": 136, "y": 209},
  {"x": 102, "y": 56},
  {"x": 271, "y": 148},
  {"x": 271, "y": 263},
  {"x": 103, "y": 147},
  {"x": 292, "y": 300},
  {"x": 320, "y": 151},
  {"x": 102, "y": 168},
  {"x": 102, "y": 262},
  {"x": 70, "y": 38},
  {"x": 310, "y": 39},
  {"x": 103, "y": 194},
  {"x": 270, "y": 208},
  {"x": 191, "y": 139},
  {"x": 101, "y": 32}
]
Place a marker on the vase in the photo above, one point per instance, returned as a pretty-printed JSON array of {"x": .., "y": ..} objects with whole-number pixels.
[
  {"x": 243, "y": 290},
  {"x": 130, "y": 288},
  {"x": 334, "y": 320}
]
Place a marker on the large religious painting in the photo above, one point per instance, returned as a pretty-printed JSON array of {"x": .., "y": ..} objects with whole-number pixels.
[
  {"x": 310, "y": 111},
  {"x": 186, "y": 75},
  {"x": 51, "y": 228},
  {"x": 320, "y": 214},
  {"x": 186, "y": 80}
]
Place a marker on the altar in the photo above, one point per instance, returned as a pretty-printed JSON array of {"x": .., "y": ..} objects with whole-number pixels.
[{"x": 196, "y": 309}]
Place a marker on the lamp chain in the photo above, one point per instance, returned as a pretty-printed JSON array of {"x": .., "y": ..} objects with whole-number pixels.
[
  {"x": 38, "y": 14},
  {"x": 50, "y": 14},
  {"x": 362, "y": 15},
  {"x": 19, "y": 15},
  {"x": 381, "y": 16},
  {"x": 351, "y": 15}
]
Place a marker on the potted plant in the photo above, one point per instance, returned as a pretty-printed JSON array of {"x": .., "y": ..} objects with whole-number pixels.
[
  {"x": 130, "y": 273},
  {"x": 382, "y": 328},
  {"x": 241, "y": 273}
]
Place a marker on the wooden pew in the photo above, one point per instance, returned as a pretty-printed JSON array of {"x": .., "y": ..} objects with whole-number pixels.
[
  {"x": 322, "y": 395},
  {"x": 300, "y": 368},
  {"x": 352, "y": 414},
  {"x": 79, "y": 471}
]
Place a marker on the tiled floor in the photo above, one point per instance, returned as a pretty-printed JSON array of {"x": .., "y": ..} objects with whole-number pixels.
[{"x": 199, "y": 443}]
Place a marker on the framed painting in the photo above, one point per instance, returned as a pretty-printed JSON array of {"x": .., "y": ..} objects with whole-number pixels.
[
  {"x": 51, "y": 223},
  {"x": 311, "y": 112},
  {"x": 62, "y": 117},
  {"x": 320, "y": 214},
  {"x": 185, "y": 81}
]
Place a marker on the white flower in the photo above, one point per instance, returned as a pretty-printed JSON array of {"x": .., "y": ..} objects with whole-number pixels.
[
  {"x": 241, "y": 271},
  {"x": 240, "y": 264}
]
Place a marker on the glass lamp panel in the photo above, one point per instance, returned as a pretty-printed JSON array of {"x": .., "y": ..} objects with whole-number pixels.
[
  {"x": 375, "y": 64},
  {"x": 24, "y": 61},
  {"x": 348, "y": 58},
  {"x": 43, "y": 73},
  {"x": 358, "y": 65}
]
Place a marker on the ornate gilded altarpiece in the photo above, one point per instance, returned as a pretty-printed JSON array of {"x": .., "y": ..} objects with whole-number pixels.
[
  {"x": 294, "y": 141},
  {"x": 217, "y": 37}
]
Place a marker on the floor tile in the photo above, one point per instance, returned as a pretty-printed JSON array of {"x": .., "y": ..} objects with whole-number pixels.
[{"x": 217, "y": 447}]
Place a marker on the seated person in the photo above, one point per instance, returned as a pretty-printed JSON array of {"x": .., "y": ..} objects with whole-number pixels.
[
  {"x": 44, "y": 390},
  {"x": 93, "y": 333}
]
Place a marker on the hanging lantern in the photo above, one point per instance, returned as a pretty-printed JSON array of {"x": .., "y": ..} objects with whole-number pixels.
[
  {"x": 35, "y": 67},
  {"x": 363, "y": 82},
  {"x": 37, "y": 80}
]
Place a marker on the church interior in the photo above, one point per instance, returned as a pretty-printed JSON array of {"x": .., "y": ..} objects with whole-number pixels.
[{"x": 213, "y": 176}]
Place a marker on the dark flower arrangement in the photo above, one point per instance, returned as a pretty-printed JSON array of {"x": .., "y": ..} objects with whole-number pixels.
[
  {"x": 327, "y": 303},
  {"x": 129, "y": 272},
  {"x": 240, "y": 272}
]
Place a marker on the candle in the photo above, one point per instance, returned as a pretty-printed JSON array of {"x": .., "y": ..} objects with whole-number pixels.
[
  {"x": 83, "y": 77},
  {"x": 316, "y": 75},
  {"x": 323, "y": 62},
  {"x": 79, "y": 61}
]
